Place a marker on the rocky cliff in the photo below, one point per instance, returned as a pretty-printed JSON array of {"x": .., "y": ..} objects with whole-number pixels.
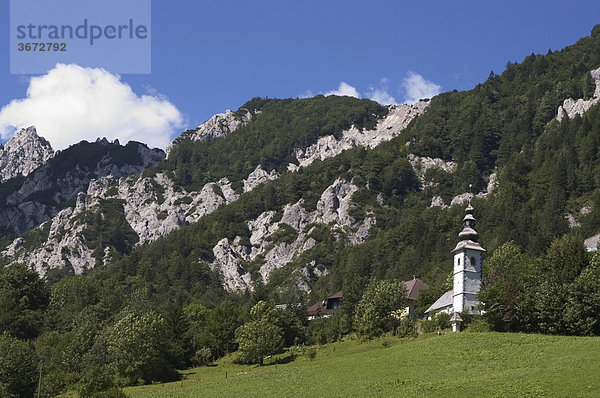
[
  {"x": 23, "y": 153},
  {"x": 217, "y": 126},
  {"x": 571, "y": 107},
  {"x": 30, "y": 200},
  {"x": 273, "y": 244},
  {"x": 398, "y": 118},
  {"x": 153, "y": 206}
]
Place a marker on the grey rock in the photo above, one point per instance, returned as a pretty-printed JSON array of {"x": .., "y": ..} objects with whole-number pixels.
[
  {"x": 23, "y": 153},
  {"x": 571, "y": 107},
  {"x": 421, "y": 164},
  {"x": 296, "y": 216},
  {"x": 461, "y": 199},
  {"x": 228, "y": 265},
  {"x": 585, "y": 210},
  {"x": 217, "y": 126},
  {"x": 258, "y": 177},
  {"x": 332, "y": 209},
  {"x": 398, "y": 118},
  {"x": 573, "y": 223},
  {"x": 437, "y": 201},
  {"x": 591, "y": 243}
]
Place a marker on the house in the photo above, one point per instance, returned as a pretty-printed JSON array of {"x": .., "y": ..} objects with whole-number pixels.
[
  {"x": 413, "y": 287},
  {"x": 468, "y": 258},
  {"x": 333, "y": 304},
  {"x": 325, "y": 308}
]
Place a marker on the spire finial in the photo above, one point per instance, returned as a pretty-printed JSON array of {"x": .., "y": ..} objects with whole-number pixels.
[
  {"x": 468, "y": 232},
  {"x": 471, "y": 193}
]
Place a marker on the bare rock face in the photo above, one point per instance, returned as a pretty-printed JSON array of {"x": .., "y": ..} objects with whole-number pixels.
[
  {"x": 421, "y": 164},
  {"x": 258, "y": 177},
  {"x": 228, "y": 264},
  {"x": 64, "y": 246},
  {"x": 217, "y": 126},
  {"x": 398, "y": 118},
  {"x": 572, "y": 221},
  {"x": 335, "y": 203},
  {"x": 438, "y": 201},
  {"x": 591, "y": 244},
  {"x": 154, "y": 206},
  {"x": 23, "y": 153},
  {"x": 461, "y": 199},
  {"x": 332, "y": 209},
  {"x": 571, "y": 107},
  {"x": 492, "y": 183},
  {"x": 41, "y": 194},
  {"x": 465, "y": 197}
]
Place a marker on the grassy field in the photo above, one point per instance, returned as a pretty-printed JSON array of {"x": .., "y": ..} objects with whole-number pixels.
[{"x": 452, "y": 365}]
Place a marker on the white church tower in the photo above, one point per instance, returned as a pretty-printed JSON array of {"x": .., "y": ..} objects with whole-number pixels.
[{"x": 467, "y": 267}]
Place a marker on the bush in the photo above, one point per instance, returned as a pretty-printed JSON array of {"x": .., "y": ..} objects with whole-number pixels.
[
  {"x": 328, "y": 330},
  {"x": 140, "y": 348},
  {"x": 477, "y": 324},
  {"x": 310, "y": 353},
  {"x": 407, "y": 327},
  {"x": 375, "y": 311},
  {"x": 442, "y": 320},
  {"x": 203, "y": 356},
  {"x": 18, "y": 367},
  {"x": 94, "y": 381},
  {"x": 427, "y": 325},
  {"x": 259, "y": 337}
]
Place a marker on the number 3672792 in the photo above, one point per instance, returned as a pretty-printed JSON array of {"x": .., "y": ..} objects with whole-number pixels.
[{"x": 42, "y": 46}]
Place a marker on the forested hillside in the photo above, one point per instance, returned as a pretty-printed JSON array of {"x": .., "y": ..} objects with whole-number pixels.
[{"x": 346, "y": 222}]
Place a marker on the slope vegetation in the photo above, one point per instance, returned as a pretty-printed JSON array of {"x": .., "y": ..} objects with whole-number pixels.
[{"x": 466, "y": 364}]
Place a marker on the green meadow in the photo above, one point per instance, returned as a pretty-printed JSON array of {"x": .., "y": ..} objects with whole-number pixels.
[{"x": 450, "y": 365}]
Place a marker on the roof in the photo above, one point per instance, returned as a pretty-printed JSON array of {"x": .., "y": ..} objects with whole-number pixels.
[
  {"x": 321, "y": 306},
  {"x": 468, "y": 244},
  {"x": 456, "y": 318},
  {"x": 446, "y": 300},
  {"x": 413, "y": 286}
]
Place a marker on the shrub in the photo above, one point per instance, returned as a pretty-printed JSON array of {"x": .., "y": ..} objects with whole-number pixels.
[
  {"x": 375, "y": 310},
  {"x": 406, "y": 327},
  {"x": 203, "y": 356},
  {"x": 310, "y": 353},
  {"x": 478, "y": 324}
]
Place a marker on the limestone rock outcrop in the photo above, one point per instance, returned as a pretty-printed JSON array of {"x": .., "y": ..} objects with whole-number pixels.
[
  {"x": 332, "y": 210},
  {"x": 571, "y": 107},
  {"x": 398, "y": 118},
  {"x": 23, "y": 153},
  {"x": 217, "y": 126}
]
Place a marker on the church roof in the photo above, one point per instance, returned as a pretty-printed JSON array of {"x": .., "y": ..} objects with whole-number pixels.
[
  {"x": 468, "y": 236},
  {"x": 413, "y": 286},
  {"x": 468, "y": 244},
  {"x": 446, "y": 300}
]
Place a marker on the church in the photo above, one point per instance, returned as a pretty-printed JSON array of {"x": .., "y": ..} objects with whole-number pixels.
[{"x": 468, "y": 257}]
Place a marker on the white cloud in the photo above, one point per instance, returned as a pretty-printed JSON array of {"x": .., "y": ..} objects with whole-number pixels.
[
  {"x": 306, "y": 94},
  {"x": 71, "y": 103},
  {"x": 417, "y": 88},
  {"x": 344, "y": 89},
  {"x": 381, "y": 94}
]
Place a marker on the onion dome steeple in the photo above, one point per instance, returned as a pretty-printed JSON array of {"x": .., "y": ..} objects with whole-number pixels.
[
  {"x": 469, "y": 238},
  {"x": 468, "y": 232}
]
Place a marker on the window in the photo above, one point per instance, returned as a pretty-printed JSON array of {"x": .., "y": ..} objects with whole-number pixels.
[{"x": 473, "y": 262}]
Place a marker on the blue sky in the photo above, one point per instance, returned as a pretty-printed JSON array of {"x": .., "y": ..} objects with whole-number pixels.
[{"x": 208, "y": 56}]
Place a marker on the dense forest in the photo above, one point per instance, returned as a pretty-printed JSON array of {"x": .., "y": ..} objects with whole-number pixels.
[{"x": 159, "y": 307}]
